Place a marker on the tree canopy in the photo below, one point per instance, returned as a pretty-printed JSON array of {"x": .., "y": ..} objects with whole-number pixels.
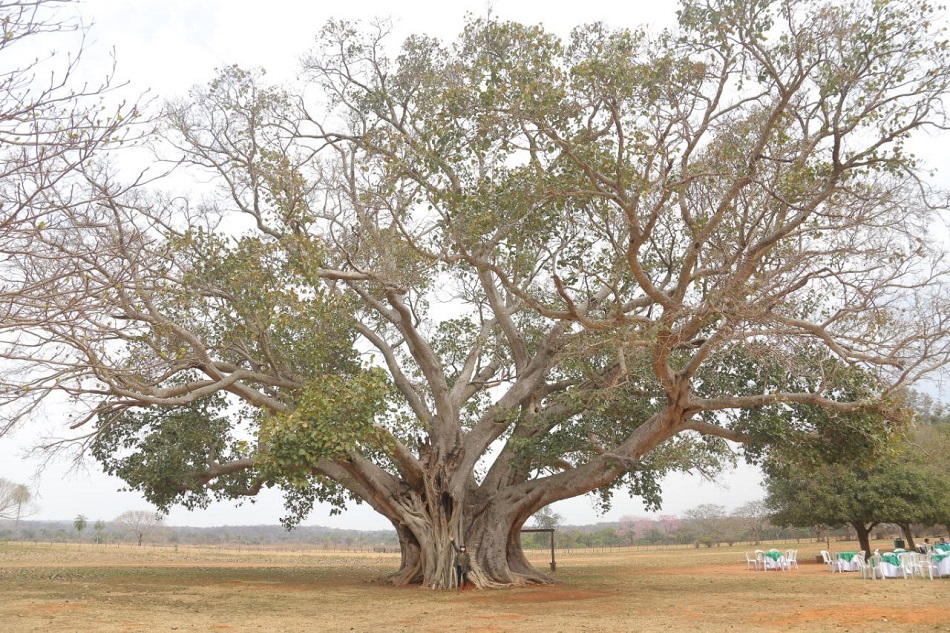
[
  {"x": 901, "y": 489},
  {"x": 902, "y": 480},
  {"x": 471, "y": 279}
]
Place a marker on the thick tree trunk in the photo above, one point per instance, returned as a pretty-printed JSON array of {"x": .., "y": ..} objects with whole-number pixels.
[
  {"x": 908, "y": 536},
  {"x": 428, "y": 556},
  {"x": 492, "y": 538},
  {"x": 864, "y": 537},
  {"x": 495, "y": 539}
]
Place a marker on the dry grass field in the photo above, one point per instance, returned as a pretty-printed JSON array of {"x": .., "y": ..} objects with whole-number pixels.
[{"x": 104, "y": 589}]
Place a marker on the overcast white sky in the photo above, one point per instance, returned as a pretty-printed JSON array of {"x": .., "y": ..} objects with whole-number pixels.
[{"x": 167, "y": 46}]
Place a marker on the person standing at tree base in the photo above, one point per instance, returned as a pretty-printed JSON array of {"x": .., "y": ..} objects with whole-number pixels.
[{"x": 463, "y": 564}]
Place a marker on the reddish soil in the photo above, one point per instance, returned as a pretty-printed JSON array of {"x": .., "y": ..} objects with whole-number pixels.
[{"x": 695, "y": 590}]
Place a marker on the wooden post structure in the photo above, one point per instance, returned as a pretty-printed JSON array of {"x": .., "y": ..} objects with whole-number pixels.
[{"x": 549, "y": 531}]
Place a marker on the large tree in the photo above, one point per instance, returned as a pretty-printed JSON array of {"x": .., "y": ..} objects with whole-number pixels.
[
  {"x": 468, "y": 281},
  {"x": 901, "y": 478},
  {"x": 900, "y": 489}
]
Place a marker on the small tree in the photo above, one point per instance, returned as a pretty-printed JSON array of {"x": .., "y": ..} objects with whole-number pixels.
[
  {"x": 139, "y": 523},
  {"x": 99, "y": 526},
  {"x": 80, "y": 523},
  {"x": 707, "y": 522},
  {"x": 15, "y": 502},
  {"x": 546, "y": 518},
  {"x": 752, "y": 517},
  {"x": 670, "y": 525},
  {"x": 633, "y": 528}
]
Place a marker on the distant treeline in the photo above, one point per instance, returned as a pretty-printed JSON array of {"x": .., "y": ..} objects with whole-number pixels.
[
  {"x": 64, "y": 531},
  {"x": 628, "y": 531}
]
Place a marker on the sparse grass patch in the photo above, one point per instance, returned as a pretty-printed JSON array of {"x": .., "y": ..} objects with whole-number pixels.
[{"x": 43, "y": 588}]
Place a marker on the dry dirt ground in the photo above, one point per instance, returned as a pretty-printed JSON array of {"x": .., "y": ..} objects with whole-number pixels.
[{"x": 105, "y": 589}]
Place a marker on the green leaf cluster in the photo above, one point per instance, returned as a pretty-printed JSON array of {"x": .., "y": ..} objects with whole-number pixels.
[
  {"x": 162, "y": 452},
  {"x": 334, "y": 417}
]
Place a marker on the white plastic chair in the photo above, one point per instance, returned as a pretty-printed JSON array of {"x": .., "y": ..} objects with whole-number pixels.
[
  {"x": 826, "y": 557},
  {"x": 750, "y": 560},
  {"x": 791, "y": 558},
  {"x": 908, "y": 561},
  {"x": 760, "y": 558},
  {"x": 862, "y": 565},
  {"x": 923, "y": 565}
]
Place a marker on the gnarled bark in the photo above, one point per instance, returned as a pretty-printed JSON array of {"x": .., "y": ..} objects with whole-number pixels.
[{"x": 492, "y": 538}]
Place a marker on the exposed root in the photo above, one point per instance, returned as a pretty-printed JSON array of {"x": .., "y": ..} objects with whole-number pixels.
[{"x": 410, "y": 575}]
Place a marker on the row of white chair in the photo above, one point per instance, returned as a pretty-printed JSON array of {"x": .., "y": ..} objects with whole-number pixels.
[{"x": 910, "y": 564}]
